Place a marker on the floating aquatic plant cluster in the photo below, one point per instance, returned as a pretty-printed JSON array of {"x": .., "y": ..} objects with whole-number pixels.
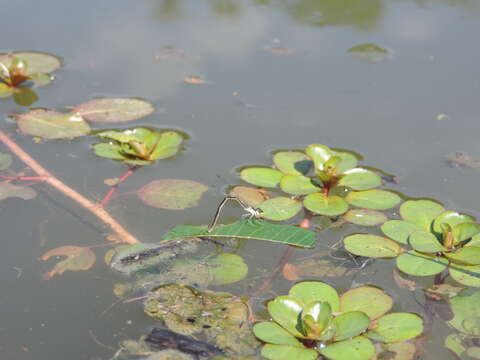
[{"x": 174, "y": 276}]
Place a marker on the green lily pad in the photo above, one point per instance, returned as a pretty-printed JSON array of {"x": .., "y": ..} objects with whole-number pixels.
[
  {"x": 250, "y": 196},
  {"x": 248, "y": 229},
  {"x": 453, "y": 342},
  {"x": 370, "y": 52},
  {"x": 465, "y": 309},
  {"x": 40, "y": 80},
  {"x": 109, "y": 110},
  {"x": 421, "y": 212},
  {"x": 226, "y": 269},
  {"x": 5, "y": 161},
  {"x": 318, "y": 203},
  {"x": 373, "y": 199},
  {"x": 469, "y": 255},
  {"x": 347, "y": 161},
  {"x": 474, "y": 241},
  {"x": 24, "y": 96},
  {"x": 368, "y": 299},
  {"x": 273, "y": 333},
  {"x": 310, "y": 291},
  {"x": 286, "y": 310},
  {"x": 372, "y": 246},
  {"x": 9, "y": 190},
  {"x": 451, "y": 218},
  {"x": 261, "y": 176},
  {"x": 402, "y": 351},
  {"x": 292, "y": 162},
  {"x": 51, "y": 124},
  {"x": 399, "y": 230},
  {"x": 365, "y": 217},
  {"x": 280, "y": 208},
  {"x": 298, "y": 185},
  {"x": 425, "y": 241},
  {"x": 288, "y": 352},
  {"x": 396, "y": 327},
  {"x": 320, "y": 154},
  {"x": 464, "y": 231},
  {"x": 109, "y": 151},
  {"x": 38, "y": 62},
  {"x": 360, "y": 179},
  {"x": 6, "y": 91},
  {"x": 350, "y": 324},
  {"x": 466, "y": 274},
  {"x": 172, "y": 194},
  {"x": 357, "y": 348},
  {"x": 415, "y": 263}
]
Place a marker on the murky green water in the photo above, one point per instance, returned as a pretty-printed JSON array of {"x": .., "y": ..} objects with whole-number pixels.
[{"x": 278, "y": 76}]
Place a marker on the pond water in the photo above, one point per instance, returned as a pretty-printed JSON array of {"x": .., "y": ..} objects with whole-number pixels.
[{"x": 278, "y": 75}]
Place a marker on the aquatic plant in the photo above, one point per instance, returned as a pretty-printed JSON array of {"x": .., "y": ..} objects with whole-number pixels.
[
  {"x": 138, "y": 146},
  {"x": 324, "y": 181},
  {"x": 21, "y": 70},
  {"x": 438, "y": 239},
  {"x": 314, "y": 320}
]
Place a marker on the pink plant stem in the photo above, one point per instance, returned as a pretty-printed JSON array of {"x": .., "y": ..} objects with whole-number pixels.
[
  {"x": 23, "y": 178},
  {"x": 96, "y": 209},
  {"x": 114, "y": 188}
]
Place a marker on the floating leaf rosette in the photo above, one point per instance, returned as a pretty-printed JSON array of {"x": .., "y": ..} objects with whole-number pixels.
[
  {"x": 314, "y": 320},
  {"x": 21, "y": 70},
  {"x": 324, "y": 181},
  {"x": 426, "y": 241},
  {"x": 138, "y": 146}
]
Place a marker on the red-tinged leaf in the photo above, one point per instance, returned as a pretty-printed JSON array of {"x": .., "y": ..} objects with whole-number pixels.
[
  {"x": 290, "y": 272},
  {"x": 109, "y": 110},
  {"x": 78, "y": 258},
  {"x": 8, "y": 190}
]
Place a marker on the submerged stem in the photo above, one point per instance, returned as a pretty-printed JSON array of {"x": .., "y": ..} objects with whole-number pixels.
[{"x": 96, "y": 209}]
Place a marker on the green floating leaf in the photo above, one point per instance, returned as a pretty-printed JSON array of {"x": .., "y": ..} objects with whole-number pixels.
[
  {"x": 226, "y": 269},
  {"x": 24, "y": 96},
  {"x": 40, "y": 80},
  {"x": 465, "y": 309},
  {"x": 464, "y": 231},
  {"x": 316, "y": 317},
  {"x": 298, "y": 185},
  {"x": 38, "y": 62},
  {"x": 396, "y": 327},
  {"x": 372, "y": 246},
  {"x": 109, "y": 110},
  {"x": 468, "y": 255},
  {"x": 451, "y": 218},
  {"x": 368, "y": 299},
  {"x": 399, "y": 230},
  {"x": 172, "y": 194},
  {"x": 249, "y": 229},
  {"x": 360, "y": 179},
  {"x": 319, "y": 203},
  {"x": 401, "y": 350},
  {"x": 350, "y": 324},
  {"x": 288, "y": 352},
  {"x": 109, "y": 151},
  {"x": 5, "y": 161},
  {"x": 273, "y": 333},
  {"x": 9, "y": 190},
  {"x": 51, "y": 124},
  {"x": 6, "y": 91},
  {"x": 365, "y": 217},
  {"x": 292, "y": 162},
  {"x": 453, "y": 342},
  {"x": 425, "y": 241},
  {"x": 466, "y": 274},
  {"x": 347, "y": 161},
  {"x": 286, "y": 310},
  {"x": 358, "y": 348},
  {"x": 421, "y": 212},
  {"x": 310, "y": 291},
  {"x": 261, "y": 176},
  {"x": 415, "y": 263},
  {"x": 371, "y": 53},
  {"x": 373, "y": 199},
  {"x": 474, "y": 352},
  {"x": 280, "y": 208}
]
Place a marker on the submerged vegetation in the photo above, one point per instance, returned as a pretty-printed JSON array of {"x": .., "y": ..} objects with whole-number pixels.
[{"x": 177, "y": 276}]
